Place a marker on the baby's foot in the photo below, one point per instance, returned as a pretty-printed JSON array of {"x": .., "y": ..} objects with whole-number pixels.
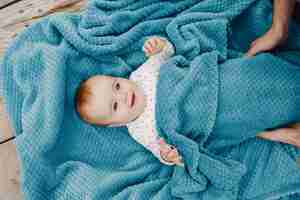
[{"x": 153, "y": 46}]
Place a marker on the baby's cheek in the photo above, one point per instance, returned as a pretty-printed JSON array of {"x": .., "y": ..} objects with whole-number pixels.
[{"x": 125, "y": 113}]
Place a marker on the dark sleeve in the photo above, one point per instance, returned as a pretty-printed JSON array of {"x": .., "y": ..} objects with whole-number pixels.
[{"x": 296, "y": 15}]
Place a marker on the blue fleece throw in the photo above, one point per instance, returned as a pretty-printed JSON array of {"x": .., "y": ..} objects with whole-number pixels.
[{"x": 211, "y": 103}]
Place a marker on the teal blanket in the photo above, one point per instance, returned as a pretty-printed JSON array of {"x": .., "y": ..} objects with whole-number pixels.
[{"x": 211, "y": 102}]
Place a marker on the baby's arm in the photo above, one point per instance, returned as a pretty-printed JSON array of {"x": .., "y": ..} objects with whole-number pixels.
[
  {"x": 158, "y": 47},
  {"x": 159, "y": 50},
  {"x": 165, "y": 153},
  {"x": 154, "y": 147}
]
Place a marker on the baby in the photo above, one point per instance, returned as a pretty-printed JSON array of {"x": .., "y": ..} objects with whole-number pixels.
[{"x": 114, "y": 101}]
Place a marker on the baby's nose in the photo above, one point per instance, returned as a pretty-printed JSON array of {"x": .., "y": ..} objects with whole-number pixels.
[
  {"x": 123, "y": 97},
  {"x": 129, "y": 98}
]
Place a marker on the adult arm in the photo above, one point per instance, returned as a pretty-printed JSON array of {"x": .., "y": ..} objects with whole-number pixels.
[{"x": 278, "y": 33}]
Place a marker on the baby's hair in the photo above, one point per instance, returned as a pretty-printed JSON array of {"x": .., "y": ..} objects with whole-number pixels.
[{"x": 82, "y": 99}]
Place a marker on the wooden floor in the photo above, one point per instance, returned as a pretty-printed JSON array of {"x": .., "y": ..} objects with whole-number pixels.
[{"x": 16, "y": 15}]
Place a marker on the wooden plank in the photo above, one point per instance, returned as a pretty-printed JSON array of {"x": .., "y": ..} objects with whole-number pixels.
[
  {"x": 10, "y": 173},
  {"x": 17, "y": 17},
  {"x": 22, "y": 9},
  {"x": 14, "y": 19},
  {"x": 4, "y": 3},
  {"x": 9, "y": 168},
  {"x": 5, "y": 39},
  {"x": 5, "y": 130}
]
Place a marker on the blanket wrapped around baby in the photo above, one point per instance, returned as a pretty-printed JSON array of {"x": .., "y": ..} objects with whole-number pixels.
[{"x": 211, "y": 102}]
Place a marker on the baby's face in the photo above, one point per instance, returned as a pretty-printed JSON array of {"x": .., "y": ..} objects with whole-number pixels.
[{"x": 119, "y": 100}]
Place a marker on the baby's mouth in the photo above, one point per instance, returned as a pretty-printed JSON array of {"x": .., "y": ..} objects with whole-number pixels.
[{"x": 132, "y": 100}]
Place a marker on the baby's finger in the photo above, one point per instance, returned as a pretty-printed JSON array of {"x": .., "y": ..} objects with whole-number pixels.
[
  {"x": 151, "y": 48},
  {"x": 147, "y": 50},
  {"x": 151, "y": 43},
  {"x": 163, "y": 150},
  {"x": 144, "y": 48},
  {"x": 155, "y": 41},
  {"x": 164, "y": 155},
  {"x": 173, "y": 155}
]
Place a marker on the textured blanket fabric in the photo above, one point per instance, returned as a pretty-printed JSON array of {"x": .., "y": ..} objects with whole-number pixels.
[{"x": 211, "y": 102}]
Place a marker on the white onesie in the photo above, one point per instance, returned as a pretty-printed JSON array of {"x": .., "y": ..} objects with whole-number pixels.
[{"x": 143, "y": 129}]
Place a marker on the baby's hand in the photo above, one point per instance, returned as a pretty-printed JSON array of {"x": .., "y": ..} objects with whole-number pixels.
[
  {"x": 153, "y": 46},
  {"x": 169, "y": 153}
]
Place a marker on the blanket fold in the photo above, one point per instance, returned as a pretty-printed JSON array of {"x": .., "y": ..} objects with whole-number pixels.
[{"x": 201, "y": 109}]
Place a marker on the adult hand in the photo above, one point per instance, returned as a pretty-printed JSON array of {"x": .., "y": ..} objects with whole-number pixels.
[{"x": 272, "y": 38}]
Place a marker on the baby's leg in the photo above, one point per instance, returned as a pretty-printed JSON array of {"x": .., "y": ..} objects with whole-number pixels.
[{"x": 289, "y": 135}]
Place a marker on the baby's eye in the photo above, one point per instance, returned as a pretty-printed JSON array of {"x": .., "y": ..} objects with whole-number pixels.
[
  {"x": 115, "y": 106},
  {"x": 118, "y": 86}
]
